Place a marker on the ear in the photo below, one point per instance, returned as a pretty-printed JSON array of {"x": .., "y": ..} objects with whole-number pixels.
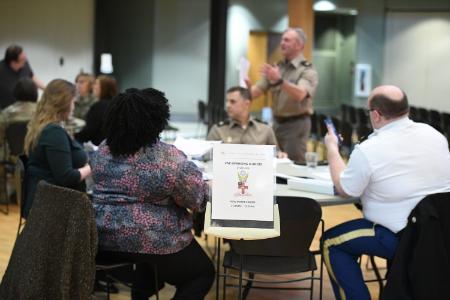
[{"x": 377, "y": 116}]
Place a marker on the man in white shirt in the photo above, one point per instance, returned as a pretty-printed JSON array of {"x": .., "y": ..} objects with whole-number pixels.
[{"x": 397, "y": 166}]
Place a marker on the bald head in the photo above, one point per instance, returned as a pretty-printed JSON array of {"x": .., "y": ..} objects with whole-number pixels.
[{"x": 390, "y": 101}]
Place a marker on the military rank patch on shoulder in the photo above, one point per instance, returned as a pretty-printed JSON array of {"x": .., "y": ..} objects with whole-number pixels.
[
  {"x": 306, "y": 63},
  {"x": 260, "y": 121},
  {"x": 223, "y": 123}
]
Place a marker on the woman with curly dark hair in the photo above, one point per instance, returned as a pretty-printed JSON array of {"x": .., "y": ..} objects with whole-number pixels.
[{"x": 143, "y": 194}]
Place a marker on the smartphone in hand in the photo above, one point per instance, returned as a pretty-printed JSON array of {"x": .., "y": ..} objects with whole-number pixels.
[{"x": 329, "y": 122}]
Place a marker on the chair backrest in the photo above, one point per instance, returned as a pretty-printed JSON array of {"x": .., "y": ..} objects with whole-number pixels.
[
  {"x": 299, "y": 218},
  {"x": 352, "y": 115},
  {"x": 346, "y": 131},
  {"x": 19, "y": 179},
  {"x": 321, "y": 127},
  {"x": 202, "y": 111},
  {"x": 414, "y": 113},
  {"x": 363, "y": 131},
  {"x": 15, "y": 135},
  {"x": 362, "y": 116},
  {"x": 54, "y": 256}
]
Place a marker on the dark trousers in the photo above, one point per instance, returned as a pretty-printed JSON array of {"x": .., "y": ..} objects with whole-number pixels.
[{"x": 189, "y": 270}]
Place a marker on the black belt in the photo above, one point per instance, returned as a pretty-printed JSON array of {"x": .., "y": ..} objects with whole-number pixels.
[{"x": 290, "y": 118}]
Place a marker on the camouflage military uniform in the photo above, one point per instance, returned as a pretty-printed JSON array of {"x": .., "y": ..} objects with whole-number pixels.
[
  {"x": 20, "y": 111},
  {"x": 82, "y": 106}
]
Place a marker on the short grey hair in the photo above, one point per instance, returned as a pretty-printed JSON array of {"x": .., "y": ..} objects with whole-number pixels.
[{"x": 300, "y": 34}]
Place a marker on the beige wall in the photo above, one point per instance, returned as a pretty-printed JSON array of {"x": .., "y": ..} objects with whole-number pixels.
[{"x": 49, "y": 30}]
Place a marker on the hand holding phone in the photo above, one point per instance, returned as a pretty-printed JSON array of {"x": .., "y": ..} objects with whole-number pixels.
[{"x": 329, "y": 123}]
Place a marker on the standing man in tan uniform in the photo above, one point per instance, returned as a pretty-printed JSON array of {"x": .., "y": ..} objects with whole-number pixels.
[
  {"x": 293, "y": 84},
  {"x": 242, "y": 128}
]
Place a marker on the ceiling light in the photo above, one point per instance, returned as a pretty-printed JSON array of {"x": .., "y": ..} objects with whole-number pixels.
[{"x": 324, "y": 5}]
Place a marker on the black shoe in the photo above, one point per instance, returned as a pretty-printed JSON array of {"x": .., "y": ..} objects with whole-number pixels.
[{"x": 101, "y": 286}]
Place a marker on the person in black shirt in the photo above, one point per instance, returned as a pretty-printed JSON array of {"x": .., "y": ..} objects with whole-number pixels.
[
  {"x": 105, "y": 88},
  {"x": 14, "y": 67}
]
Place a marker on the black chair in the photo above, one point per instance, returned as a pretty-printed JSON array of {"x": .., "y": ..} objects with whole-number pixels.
[
  {"x": 15, "y": 136},
  {"x": 436, "y": 120},
  {"x": 424, "y": 115},
  {"x": 414, "y": 114},
  {"x": 344, "y": 112},
  {"x": 362, "y": 116},
  {"x": 108, "y": 270},
  {"x": 363, "y": 131},
  {"x": 346, "y": 131},
  {"x": 337, "y": 123},
  {"x": 202, "y": 112},
  {"x": 203, "y": 116},
  {"x": 287, "y": 254},
  {"x": 19, "y": 181},
  {"x": 352, "y": 115},
  {"x": 321, "y": 127},
  {"x": 14, "y": 139},
  {"x": 445, "y": 117},
  {"x": 314, "y": 126},
  {"x": 54, "y": 256}
]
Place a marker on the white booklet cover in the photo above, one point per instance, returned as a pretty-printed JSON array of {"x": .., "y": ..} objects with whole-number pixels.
[{"x": 243, "y": 184}]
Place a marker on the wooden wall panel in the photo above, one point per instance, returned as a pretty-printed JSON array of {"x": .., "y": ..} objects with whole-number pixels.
[{"x": 301, "y": 14}]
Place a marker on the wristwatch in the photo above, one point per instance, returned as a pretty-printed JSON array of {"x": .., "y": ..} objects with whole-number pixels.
[{"x": 278, "y": 82}]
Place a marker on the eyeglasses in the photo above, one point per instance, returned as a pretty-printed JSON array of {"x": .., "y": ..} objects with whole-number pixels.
[{"x": 369, "y": 110}]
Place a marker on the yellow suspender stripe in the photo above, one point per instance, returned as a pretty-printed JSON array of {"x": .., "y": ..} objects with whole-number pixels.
[{"x": 340, "y": 239}]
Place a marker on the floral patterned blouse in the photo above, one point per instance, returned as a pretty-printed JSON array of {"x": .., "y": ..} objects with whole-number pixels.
[{"x": 141, "y": 201}]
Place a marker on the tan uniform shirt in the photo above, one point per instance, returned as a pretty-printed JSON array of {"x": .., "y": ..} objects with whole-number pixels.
[
  {"x": 256, "y": 133},
  {"x": 299, "y": 72}
]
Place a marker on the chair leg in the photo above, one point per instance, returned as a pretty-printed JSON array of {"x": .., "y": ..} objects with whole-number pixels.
[
  {"x": 108, "y": 287},
  {"x": 218, "y": 270},
  {"x": 20, "y": 225},
  {"x": 155, "y": 270},
  {"x": 377, "y": 273},
  {"x": 240, "y": 276},
  {"x": 6, "y": 211},
  {"x": 224, "y": 290},
  {"x": 321, "y": 260},
  {"x": 248, "y": 285}
]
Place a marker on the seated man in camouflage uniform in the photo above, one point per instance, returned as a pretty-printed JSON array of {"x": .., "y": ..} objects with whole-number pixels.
[
  {"x": 242, "y": 128},
  {"x": 24, "y": 106}
]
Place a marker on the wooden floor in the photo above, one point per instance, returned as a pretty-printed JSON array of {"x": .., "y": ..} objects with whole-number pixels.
[{"x": 331, "y": 215}]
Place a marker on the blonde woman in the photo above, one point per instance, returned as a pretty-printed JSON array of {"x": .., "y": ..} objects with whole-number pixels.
[
  {"x": 85, "y": 99},
  {"x": 53, "y": 155}
]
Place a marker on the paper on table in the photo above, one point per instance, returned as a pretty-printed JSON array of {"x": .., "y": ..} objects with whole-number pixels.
[
  {"x": 321, "y": 175},
  {"x": 312, "y": 185},
  {"x": 283, "y": 160},
  {"x": 243, "y": 67},
  {"x": 194, "y": 147}
]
